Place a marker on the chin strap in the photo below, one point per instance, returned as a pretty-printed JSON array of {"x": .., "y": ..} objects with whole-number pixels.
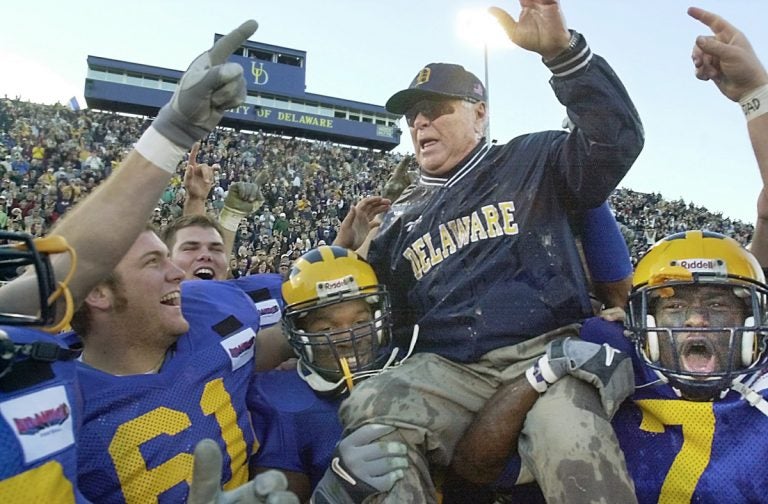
[
  {"x": 323, "y": 386},
  {"x": 54, "y": 245},
  {"x": 753, "y": 398},
  {"x": 347, "y": 373}
]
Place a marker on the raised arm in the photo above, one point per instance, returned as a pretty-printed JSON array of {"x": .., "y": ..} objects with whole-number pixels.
[
  {"x": 608, "y": 135},
  {"x": 726, "y": 58},
  {"x": 361, "y": 223},
  {"x": 198, "y": 181},
  {"x": 104, "y": 225}
]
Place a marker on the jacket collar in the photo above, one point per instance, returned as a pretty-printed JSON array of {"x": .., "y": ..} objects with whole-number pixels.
[{"x": 465, "y": 166}]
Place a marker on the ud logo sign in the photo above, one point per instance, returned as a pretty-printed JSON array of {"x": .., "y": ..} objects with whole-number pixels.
[{"x": 260, "y": 76}]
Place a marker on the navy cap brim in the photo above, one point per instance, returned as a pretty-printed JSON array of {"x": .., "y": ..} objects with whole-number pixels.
[{"x": 402, "y": 101}]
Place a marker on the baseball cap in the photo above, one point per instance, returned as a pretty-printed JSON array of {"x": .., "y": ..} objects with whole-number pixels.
[{"x": 437, "y": 80}]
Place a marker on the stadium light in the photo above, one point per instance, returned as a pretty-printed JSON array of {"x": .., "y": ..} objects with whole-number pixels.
[{"x": 479, "y": 28}]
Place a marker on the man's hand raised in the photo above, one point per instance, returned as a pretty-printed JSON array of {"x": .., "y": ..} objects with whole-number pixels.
[
  {"x": 726, "y": 57},
  {"x": 207, "y": 89},
  {"x": 540, "y": 27},
  {"x": 198, "y": 178}
]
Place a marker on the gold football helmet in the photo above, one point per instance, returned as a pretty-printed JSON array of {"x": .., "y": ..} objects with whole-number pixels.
[
  {"x": 333, "y": 352},
  {"x": 697, "y": 313}
]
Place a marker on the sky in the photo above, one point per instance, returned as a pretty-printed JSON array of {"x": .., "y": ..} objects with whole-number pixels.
[{"x": 696, "y": 145}]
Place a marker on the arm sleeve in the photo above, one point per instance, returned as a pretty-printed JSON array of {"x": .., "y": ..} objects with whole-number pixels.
[
  {"x": 605, "y": 250},
  {"x": 608, "y": 135}
]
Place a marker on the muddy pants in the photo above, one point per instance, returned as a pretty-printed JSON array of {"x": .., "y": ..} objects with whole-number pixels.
[{"x": 567, "y": 444}]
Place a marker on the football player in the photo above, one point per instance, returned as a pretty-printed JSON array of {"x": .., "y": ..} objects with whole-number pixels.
[
  {"x": 695, "y": 427},
  {"x": 43, "y": 427},
  {"x": 197, "y": 247},
  {"x": 338, "y": 320},
  {"x": 699, "y": 418},
  {"x": 39, "y": 409}
]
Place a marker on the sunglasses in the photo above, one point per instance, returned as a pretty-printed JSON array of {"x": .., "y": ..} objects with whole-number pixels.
[{"x": 432, "y": 109}]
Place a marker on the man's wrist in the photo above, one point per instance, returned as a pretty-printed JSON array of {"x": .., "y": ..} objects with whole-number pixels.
[
  {"x": 229, "y": 218},
  {"x": 196, "y": 198},
  {"x": 755, "y": 103},
  {"x": 574, "y": 58},
  {"x": 537, "y": 381},
  {"x": 159, "y": 150}
]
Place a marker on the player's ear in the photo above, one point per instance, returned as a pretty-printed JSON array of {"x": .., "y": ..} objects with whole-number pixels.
[
  {"x": 481, "y": 117},
  {"x": 100, "y": 297}
]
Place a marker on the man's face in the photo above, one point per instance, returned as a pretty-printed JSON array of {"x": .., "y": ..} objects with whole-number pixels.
[
  {"x": 341, "y": 317},
  {"x": 148, "y": 296},
  {"x": 444, "y": 132},
  {"x": 700, "y": 307},
  {"x": 200, "y": 253}
]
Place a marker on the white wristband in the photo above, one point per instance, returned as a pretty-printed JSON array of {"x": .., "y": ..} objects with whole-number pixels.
[
  {"x": 159, "y": 151},
  {"x": 755, "y": 103},
  {"x": 537, "y": 381},
  {"x": 230, "y": 218}
]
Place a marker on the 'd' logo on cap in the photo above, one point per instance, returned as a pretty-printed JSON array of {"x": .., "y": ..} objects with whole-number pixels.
[{"x": 423, "y": 76}]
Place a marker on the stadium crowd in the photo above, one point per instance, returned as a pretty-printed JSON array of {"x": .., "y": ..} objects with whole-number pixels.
[
  {"x": 516, "y": 383},
  {"x": 52, "y": 156}
]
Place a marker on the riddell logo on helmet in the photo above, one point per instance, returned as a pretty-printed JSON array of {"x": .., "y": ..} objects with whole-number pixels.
[
  {"x": 339, "y": 285},
  {"x": 700, "y": 265}
]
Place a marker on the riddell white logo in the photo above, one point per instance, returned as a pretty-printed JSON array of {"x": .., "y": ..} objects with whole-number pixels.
[
  {"x": 336, "y": 286},
  {"x": 701, "y": 265}
]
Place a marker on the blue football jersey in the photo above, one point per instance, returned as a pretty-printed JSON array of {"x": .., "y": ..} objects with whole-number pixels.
[
  {"x": 39, "y": 421},
  {"x": 264, "y": 289},
  {"x": 139, "y": 431},
  {"x": 686, "y": 451},
  {"x": 298, "y": 429},
  {"x": 677, "y": 450}
]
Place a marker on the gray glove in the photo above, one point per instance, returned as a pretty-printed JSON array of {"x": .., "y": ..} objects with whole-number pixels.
[
  {"x": 209, "y": 87},
  {"x": 266, "y": 488},
  {"x": 243, "y": 197},
  {"x": 398, "y": 181},
  {"x": 608, "y": 369},
  {"x": 362, "y": 466}
]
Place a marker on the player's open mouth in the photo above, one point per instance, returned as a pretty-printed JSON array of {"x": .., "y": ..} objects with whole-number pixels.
[
  {"x": 171, "y": 299},
  {"x": 698, "y": 355},
  {"x": 352, "y": 362},
  {"x": 204, "y": 273}
]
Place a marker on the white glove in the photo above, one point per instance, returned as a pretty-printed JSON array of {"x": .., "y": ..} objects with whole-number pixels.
[
  {"x": 398, "y": 180},
  {"x": 266, "y": 488}
]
